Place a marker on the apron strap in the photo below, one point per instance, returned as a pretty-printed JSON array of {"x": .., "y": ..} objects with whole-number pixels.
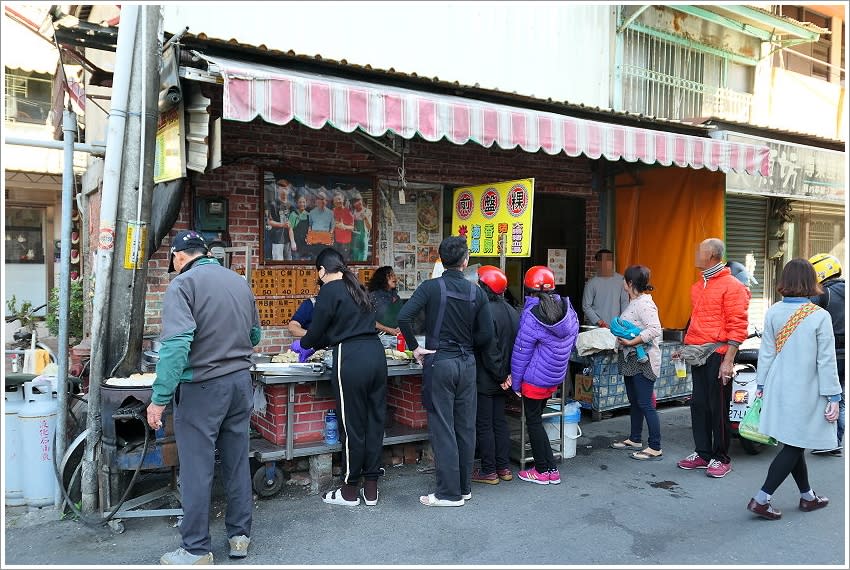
[{"x": 432, "y": 342}]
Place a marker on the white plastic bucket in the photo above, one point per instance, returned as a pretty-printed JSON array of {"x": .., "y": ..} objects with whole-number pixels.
[{"x": 572, "y": 430}]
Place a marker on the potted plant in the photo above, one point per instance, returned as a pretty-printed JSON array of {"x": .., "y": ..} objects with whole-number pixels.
[{"x": 75, "y": 314}]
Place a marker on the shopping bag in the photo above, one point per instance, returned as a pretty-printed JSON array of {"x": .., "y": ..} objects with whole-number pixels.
[{"x": 749, "y": 426}]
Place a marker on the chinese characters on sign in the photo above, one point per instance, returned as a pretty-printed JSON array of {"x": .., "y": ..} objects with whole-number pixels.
[{"x": 496, "y": 213}]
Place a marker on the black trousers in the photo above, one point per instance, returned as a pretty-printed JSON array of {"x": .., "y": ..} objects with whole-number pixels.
[
  {"x": 544, "y": 459},
  {"x": 449, "y": 396},
  {"x": 710, "y": 410},
  {"x": 213, "y": 415},
  {"x": 492, "y": 434},
  {"x": 360, "y": 386},
  {"x": 789, "y": 460}
]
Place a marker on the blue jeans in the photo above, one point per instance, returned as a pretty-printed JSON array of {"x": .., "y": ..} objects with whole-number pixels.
[{"x": 639, "y": 391}]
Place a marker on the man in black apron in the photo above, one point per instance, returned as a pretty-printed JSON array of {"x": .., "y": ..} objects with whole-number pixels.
[{"x": 457, "y": 321}]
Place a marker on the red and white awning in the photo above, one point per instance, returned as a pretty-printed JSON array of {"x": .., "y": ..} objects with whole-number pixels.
[{"x": 279, "y": 96}]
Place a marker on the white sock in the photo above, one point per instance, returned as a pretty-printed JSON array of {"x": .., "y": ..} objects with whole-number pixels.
[
  {"x": 808, "y": 495},
  {"x": 762, "y": 498}
]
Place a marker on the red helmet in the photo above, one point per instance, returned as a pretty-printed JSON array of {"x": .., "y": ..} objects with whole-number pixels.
[
  {"x": 494, "y": 278},
  {"x": 539, "y": 278}
]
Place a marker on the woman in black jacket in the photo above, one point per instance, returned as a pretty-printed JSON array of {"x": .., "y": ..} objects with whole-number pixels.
[
  {"x": 493, "y": 376},
  {"x": 344, "y": 319}
]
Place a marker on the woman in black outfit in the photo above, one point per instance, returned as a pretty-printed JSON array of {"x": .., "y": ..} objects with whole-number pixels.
[{"x": 344, "y": 320}]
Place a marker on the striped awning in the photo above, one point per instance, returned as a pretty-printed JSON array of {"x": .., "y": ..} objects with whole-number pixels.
[{"x": 279, "y": 96}]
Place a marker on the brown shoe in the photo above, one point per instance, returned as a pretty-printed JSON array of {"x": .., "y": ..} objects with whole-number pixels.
[
  {"x": 764, "y": 511},
  {"x": 818, "y": 503}
]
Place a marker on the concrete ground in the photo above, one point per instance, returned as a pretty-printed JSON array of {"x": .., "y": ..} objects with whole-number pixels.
[{"x": 609, "y": 510}]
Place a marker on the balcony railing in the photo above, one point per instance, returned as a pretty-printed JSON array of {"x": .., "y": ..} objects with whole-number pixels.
[{"x": 661, "y": 95}]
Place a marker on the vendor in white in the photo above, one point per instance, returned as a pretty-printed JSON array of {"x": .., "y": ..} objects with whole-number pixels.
[{"x": 604, "y": 297}]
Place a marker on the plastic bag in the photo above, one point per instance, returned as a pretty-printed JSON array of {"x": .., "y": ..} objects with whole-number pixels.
[
  {"x": 259, "y": 400},
  {"x": 749, "y": 426}
]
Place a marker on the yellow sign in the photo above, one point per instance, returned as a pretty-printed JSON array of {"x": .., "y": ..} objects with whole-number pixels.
[
  {"x": 483, "y": 214},
  {"x": 135, "y": 245},
  {"x": 170, "y": 157}
]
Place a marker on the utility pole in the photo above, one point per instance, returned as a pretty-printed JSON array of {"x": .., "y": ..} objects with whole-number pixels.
[
  {"x": 129, "y": 273},
  {"x": 127, "y": 31}
]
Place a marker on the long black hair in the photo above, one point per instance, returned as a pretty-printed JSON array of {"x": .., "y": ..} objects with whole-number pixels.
[
  {"x": 333, "y": 262},
  {"x": 550, "y": 310}
]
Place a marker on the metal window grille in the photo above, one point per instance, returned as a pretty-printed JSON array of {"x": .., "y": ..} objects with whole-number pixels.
[{"x": 663, "y": 79}]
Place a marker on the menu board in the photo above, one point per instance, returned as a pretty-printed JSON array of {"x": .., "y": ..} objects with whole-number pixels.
[
  {"x": 410, "y": 233},
  {"x": 557, "y": 262},
  {"x": 279, "y": 292}
]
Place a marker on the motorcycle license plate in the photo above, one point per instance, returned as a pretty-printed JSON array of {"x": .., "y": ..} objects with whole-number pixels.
[{"x": 737, "y": 414}]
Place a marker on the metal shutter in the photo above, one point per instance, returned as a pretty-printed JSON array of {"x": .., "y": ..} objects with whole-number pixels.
[{"x": 746, "y": 233}]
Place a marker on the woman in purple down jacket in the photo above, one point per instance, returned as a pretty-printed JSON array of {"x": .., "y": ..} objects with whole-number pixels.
[{"x": 547, "y": 333}]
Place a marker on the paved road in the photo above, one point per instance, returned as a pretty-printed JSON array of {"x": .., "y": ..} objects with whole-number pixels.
[{"x": 609, "y": 510}]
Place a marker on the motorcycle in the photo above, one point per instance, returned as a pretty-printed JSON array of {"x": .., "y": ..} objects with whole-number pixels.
[
  {"x": 23, "y": 339},
  {"x": 744, "y": 387}
]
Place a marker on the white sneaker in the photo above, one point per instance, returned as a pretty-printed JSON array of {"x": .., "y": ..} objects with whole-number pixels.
[
  {"x": 239, "y": 546},
  {"x": 181, "y": 557}
]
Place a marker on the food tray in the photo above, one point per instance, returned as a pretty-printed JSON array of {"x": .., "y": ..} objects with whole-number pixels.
[
  {"x": 290, "y": 368},
  {"x": 394, "y": 362}
]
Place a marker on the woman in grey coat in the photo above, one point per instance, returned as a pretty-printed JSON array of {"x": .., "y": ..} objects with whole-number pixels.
[{"x": 798, "y": 381}]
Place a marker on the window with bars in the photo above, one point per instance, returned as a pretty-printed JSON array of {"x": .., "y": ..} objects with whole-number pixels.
[
  {"x": 28, "y": 96},
  {"x": 672, "y": 81},
  {"x": 813, "y": 58}
]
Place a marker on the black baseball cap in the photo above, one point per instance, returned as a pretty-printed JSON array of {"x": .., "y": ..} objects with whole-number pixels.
[{"x": 186, "y": 239}]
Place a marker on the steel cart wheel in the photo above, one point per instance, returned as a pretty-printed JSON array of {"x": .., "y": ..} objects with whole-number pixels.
[{"x": 268, "y": 480}]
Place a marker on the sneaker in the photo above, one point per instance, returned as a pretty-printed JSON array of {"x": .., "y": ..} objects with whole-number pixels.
[
  {"x": 181, "y": 557},
  {"x": 466, "y": 496},
  {"x": 490, "y": 478},
  {"x": 835, "y": 452},
  {"x": 554, "y": 477},
  {"x": 505, "y": 474},
  {"x": 239, "y": 546},
  {"x": 717, "y": 469},
  {"x": 693, "y": 461},
  {"x": 533, "y": 476}
]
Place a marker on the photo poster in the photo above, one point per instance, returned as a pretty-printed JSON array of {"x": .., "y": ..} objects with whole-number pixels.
[
  {"x": 410, "y": 233},
  {"x": 304, "y": 213},
  {"x": 557, "y": 262},
  {"x": 482, "y": 214}
]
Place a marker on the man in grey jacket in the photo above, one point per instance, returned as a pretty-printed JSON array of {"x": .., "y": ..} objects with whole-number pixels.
[
  {"x": 209, "y": 326},
  {"x": 604, "y": 296}
]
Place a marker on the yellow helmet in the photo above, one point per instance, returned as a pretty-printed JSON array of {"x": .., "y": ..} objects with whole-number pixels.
[{"x": 826, "y": 266}]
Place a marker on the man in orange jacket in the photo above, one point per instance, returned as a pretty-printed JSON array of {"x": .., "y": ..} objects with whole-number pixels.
[{"x": 717, "y": 327}]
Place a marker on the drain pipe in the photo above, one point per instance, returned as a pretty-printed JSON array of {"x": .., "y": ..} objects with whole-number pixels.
[
  {"x": 127, "y": 32},
  {"x": 69, "y": 134}
]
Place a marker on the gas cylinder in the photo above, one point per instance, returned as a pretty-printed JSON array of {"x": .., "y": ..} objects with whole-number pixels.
[
  {"x": 38, "y": 424},
  {"x": 12, "y": 448}
]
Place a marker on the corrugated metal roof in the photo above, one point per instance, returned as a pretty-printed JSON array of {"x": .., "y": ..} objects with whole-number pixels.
[
  {"x": 202, "y": 42},
  {"x": 770, "y": 132}
]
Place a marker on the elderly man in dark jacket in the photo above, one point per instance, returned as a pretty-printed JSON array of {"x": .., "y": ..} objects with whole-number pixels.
[{"x": 493, "y": 378}]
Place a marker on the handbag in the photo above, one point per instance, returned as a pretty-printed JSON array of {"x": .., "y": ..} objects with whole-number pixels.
[{"x": 749, "y": 426}]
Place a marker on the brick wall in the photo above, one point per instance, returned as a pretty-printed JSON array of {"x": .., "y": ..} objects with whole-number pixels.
[
  {"x": 309, "y": 410},
  {"x": 249, "y": 148},
  {"x": 404, "y": 394}
]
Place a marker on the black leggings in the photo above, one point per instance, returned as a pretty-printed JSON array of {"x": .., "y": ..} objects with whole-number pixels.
[{"x": 791, "y": 460}]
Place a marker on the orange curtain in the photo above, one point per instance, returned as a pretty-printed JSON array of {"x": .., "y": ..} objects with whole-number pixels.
[{"x": 662, "y": 215}]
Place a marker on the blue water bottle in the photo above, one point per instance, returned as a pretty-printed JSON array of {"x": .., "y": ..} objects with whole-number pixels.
[{"x": 331, "y": 428}]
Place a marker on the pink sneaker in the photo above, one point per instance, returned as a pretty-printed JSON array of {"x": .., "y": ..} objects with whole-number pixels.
[
  {"x": 717, "y": 469},
  {"x": 533, "y": 476},
  {"x": 554, "y": 477},
  {"x": 693, "y": 461}
]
